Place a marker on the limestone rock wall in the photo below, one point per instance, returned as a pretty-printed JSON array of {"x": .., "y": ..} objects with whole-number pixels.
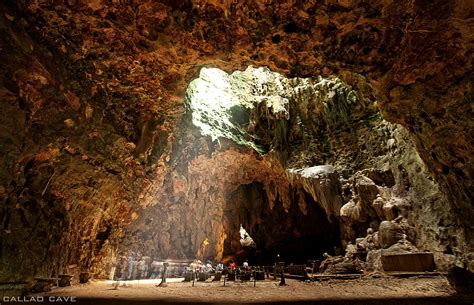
[
  {"x": 93, "y": 103},
  {"x": 66, "y": 166},
  {"x": 375, "y": 174}
]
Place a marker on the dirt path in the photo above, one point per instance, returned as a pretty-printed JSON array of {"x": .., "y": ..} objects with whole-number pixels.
[{"x": 433, "y": 290}]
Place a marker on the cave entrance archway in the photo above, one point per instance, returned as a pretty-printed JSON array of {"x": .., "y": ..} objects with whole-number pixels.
[
  {"x": 266, "y": 115},
  {"x": 268, "y": 152}
]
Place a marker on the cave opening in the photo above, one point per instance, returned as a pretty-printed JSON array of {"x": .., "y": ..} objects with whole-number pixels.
[
  {"x": 266, "y": 168},
  {"x": 120, "y": 137},
  {"x": 255, "y": 110},
  {"x": 292, "y": 235}
]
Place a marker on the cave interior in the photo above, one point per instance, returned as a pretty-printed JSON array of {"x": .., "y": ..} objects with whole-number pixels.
[{"x": 163, "y": 128}]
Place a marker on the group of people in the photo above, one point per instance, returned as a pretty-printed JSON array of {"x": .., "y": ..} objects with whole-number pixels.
[
  {"x": 137, "y": 268},
  {"x": 208, "y": 267},
  {"x": 231, "y": 271},
  {"x": 144, "y": 267}
]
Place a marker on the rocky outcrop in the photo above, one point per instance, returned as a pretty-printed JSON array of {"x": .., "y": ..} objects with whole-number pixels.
[
  {"x": 365, "y": 255},
  {"x": 322, "y": 183},
  {"x": 65, "y": 171},
  {"x": 94, "y": 128},
  {"x": 353, "y": 194}
]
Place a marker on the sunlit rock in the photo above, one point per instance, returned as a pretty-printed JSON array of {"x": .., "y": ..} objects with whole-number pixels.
[
  {"x": 245, "y": 239},
  {"x": 104, "y": 153}
]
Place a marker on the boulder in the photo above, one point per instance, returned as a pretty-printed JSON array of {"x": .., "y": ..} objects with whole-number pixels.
[
  {"x": 389, "y": 233},
  {"x": 374, "y": 262}
]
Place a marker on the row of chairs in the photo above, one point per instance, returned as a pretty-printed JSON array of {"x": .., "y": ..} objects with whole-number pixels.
[{"x": 231, "y": 275}]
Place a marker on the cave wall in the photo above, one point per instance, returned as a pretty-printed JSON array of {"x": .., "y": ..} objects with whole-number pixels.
[
  {"x": 92, "y": 100},
  {"x": 373, "y": 173},
  {"x": 66, "y": 163}
]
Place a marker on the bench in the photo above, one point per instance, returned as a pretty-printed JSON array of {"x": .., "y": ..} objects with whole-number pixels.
[
  {"x": 298, "y": 270},
  {"x": 231, "y": 276},
  {"x": 277, "y": 269},
  {"x": 412, "y": 262},
  {"x": 65, "y": 280},
  {"x": 189, "y": 276},
  {"x": 315, "y": 264},
  {"x": 259, "y": 275},
  {"x": 44, "y": 284},
  {"x": 217, "y": 277},
  {"x": 245, "y": 275},
  {"x": 202, "y": 276},
  {"x": 327, "y": 277},
  {"x": 51, "y": 280}
]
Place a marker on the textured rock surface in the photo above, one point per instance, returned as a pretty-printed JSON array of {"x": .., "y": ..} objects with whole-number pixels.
[
  {"x": 260, "y": 187},
  {"x": 93, "y": 126}
]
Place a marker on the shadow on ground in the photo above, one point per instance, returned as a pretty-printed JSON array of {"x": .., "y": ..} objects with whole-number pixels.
[{"x": 458, "y": 299}]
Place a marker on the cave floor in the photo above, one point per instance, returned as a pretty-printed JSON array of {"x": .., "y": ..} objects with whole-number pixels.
[{"x": 384, "y": 290}]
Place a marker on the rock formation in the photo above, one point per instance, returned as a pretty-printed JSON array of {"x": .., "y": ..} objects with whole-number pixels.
[{"x": 368, "y": 118}]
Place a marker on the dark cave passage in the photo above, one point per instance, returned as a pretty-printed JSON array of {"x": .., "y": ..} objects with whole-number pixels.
[{"x": 279, "y": 235}]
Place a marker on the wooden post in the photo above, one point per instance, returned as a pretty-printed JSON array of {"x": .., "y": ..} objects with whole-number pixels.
[
  {"x": 163, "y": 277},
  {"x": 282, "y": 281},
  {"x": 313, "y": 262}
]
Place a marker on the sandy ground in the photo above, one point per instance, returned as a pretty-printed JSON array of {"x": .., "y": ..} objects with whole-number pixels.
[{"x": 386, "y": 290}]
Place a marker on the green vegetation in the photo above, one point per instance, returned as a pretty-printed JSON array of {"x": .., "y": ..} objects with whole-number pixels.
[{"x": 253, "y": 106}]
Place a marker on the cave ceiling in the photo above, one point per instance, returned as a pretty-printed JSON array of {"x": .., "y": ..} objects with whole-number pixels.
[{"x": 98, "y": 140}]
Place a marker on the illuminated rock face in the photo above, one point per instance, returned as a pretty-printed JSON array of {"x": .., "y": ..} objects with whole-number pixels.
[
  {"x": 93, "y": 126},
  {"x": 334, "y": 169}
]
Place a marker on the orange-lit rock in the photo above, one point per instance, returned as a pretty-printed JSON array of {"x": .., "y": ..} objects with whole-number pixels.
[{"x": 128, "y": 66}]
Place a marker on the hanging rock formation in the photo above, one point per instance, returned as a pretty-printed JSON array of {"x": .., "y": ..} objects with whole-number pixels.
[
  {"x": 96, "y": 138},
  {"x": 270, "y": 136}
]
